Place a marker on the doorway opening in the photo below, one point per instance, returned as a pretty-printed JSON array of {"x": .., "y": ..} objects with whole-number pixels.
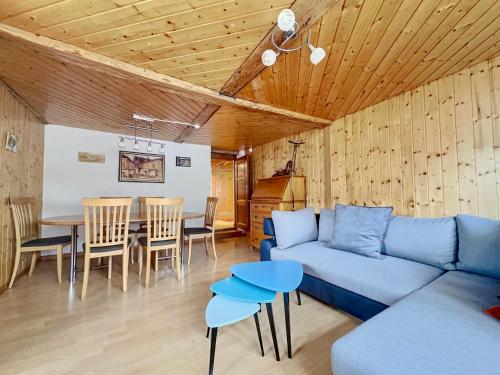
[
  {"x": 231, "y": 184},
  {"x": 223, "y": 188}
]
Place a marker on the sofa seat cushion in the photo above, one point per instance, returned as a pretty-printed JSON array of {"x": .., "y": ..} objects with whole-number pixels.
[
  {"x": 440, "y": 329},
  {"x": 384, "y": 280}
]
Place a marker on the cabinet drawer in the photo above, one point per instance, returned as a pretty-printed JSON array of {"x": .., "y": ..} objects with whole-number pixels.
[{"x": 265, "y": 207}]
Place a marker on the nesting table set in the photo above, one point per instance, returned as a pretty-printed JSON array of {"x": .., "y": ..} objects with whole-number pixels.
[{"x": 239, "y": 297}]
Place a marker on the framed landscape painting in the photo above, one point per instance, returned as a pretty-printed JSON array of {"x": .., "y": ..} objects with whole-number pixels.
[{"x": 139, "y": 167}]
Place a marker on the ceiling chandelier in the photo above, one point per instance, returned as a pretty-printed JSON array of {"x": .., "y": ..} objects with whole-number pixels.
[
  {"x": 149, "y": 129},
  {"x": 290, "y": 28}
]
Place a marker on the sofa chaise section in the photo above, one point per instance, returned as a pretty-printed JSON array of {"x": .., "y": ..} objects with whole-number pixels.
[
  {"x": 440, "y": 329},
  {"x": 385, "y": 280}
]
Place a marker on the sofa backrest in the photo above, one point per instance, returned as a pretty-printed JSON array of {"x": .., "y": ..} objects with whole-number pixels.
[
  {"x": 479, "y": 245},
  {"x": 431, "y": 241}
]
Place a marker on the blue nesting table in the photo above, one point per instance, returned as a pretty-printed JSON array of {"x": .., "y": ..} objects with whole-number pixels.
[
  {"x": 238, "y": 297},
  {"x": 222, "y": 311},
  {"x": 282, "y": 276},
  {"x": 241, "y": 291}
]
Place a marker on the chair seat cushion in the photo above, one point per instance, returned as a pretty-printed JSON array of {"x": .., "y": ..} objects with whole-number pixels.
[
  {"x": 440, "y": 329},
  {"x": 144, "y": 242},
  {"x": 201, "y": 230},
  {"x": 47, "y": 241},
  {"x": 385, "y": 280},
  {"x": 104, "y": 249}
]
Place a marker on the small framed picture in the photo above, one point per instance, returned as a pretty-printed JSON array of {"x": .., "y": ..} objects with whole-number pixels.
[
  {"x": 11, "y": 142},
  {"x": 182, "y": 161}
]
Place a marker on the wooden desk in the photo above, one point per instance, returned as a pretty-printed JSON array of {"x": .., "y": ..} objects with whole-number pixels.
[{"x": 74, "y": 221}]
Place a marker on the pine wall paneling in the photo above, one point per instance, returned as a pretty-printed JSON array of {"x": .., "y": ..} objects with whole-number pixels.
[
  {"x": 431, "y": 151},
  {"x": 21, "y": 173}
]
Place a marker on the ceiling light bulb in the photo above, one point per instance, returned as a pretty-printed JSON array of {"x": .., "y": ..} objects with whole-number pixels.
[
  {"x": 162, "y": 149},
  {"x": 136, "y": 145},
  {"x": 121, "y": 144},
  {"x": 196, "y": 126},
  {"x": 269, "y": 57},
  {"x": 317, "y": 54},
  {"x": 286, "y": 20},
  {"x": 149, "y": 148}
]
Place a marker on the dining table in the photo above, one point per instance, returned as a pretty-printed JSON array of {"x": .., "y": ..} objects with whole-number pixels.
[{"x": 74, "y": 221}]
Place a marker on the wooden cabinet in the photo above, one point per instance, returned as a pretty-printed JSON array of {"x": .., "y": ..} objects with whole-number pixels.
[{"x": 274, "y": 194}]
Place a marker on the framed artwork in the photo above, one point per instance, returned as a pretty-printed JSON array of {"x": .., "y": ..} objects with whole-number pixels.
[
  {"x": 139, "y": 167},
  {"x": 182, "y": 161},
  {"x": 11, "y": 142},
  {"x": 89, "y": 157}
]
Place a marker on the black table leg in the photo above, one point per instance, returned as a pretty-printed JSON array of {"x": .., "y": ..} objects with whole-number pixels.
[
  {"x": 212, "y": 350},
  {"x": 299, "y": 301},
  {"x": 269, "y": 307},
  {"x": 286, "y": 299},
  {"x": 257, "y": 325}
]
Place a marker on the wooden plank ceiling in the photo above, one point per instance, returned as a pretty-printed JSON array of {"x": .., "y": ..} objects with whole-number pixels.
[
  {"x": 377, "y": 49},
  {"x": 70, "y": 86},
  {"x": 200, "y": 41},
  {"x": 119, "y": 56}
]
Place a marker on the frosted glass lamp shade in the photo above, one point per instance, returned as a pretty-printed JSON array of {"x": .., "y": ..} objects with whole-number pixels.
[
  {"x": 286, "y": 20},
  {"x": 317, "y": 55},
  {"x": 269, "y": 57}
]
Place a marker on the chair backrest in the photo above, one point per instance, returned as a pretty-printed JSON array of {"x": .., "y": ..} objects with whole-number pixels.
[
  {"x": 163, "y": 218},
  {"x": 210, "y": 211},
  {"x": 106, "y": 221},
  {"x": 25, "y": 222},
  {"x": 141, "y": 201}
]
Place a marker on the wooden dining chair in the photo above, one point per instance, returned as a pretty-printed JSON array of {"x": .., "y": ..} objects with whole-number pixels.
[
  {"x": 132, "y": 233},
  {"x": 163, "y": 228},
  {"x": 27, "y": 237},
  {"x": 205, "y": 232},
  {"x": 106, "y": 234},
  {"x": 142, "y": 230}
]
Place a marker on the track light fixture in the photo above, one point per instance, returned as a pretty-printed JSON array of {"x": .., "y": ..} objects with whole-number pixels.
[{"x": 288, "y": 25}]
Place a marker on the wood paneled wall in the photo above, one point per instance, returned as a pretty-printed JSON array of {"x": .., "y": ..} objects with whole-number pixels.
[
  {"x": 21, "y": 173},
  {"x": 431, "y": 151}
]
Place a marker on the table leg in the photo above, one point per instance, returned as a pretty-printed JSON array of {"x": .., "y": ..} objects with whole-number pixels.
[
  {"x": 257, "y": 325},
  {"x": 299, "y": 300},
  {"x": 269, "y": 307},
  {"x": 286, "y": 300},
  {"x": 181, "y": 250},
  {"x": 74, "y": 246},
  {"x": 212, "y": 350}
]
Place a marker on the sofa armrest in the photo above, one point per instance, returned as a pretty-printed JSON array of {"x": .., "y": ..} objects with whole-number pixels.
[{"x": 265, "y": 248}]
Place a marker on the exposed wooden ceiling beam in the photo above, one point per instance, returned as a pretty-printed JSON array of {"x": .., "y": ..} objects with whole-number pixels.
[
  {"x": 200, "y": 120},
  {"x": 307, "y": 13},
  {"x": 94, "y": 61}
]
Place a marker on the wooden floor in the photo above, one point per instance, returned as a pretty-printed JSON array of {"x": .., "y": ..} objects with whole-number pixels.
[{"x": 46, "y": 329}]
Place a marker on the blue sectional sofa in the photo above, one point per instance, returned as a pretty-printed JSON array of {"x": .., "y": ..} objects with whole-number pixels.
[{"x": 422, "y": 302}]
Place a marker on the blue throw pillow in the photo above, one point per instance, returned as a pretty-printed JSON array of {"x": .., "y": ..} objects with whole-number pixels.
[
  {"x": 431, "y": 241},
  {"x": 479, "y": 245},
  {"x": 360, "y": 229},
  {"x": 294, "y": 227},
  {"x": 326, "y": 223}
]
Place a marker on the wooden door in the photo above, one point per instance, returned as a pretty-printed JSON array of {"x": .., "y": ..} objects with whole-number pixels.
[{"x": 242, "y": 178}]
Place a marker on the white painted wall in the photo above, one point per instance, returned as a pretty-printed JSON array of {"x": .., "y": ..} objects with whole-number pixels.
[{"x": 66, "y": 180}]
